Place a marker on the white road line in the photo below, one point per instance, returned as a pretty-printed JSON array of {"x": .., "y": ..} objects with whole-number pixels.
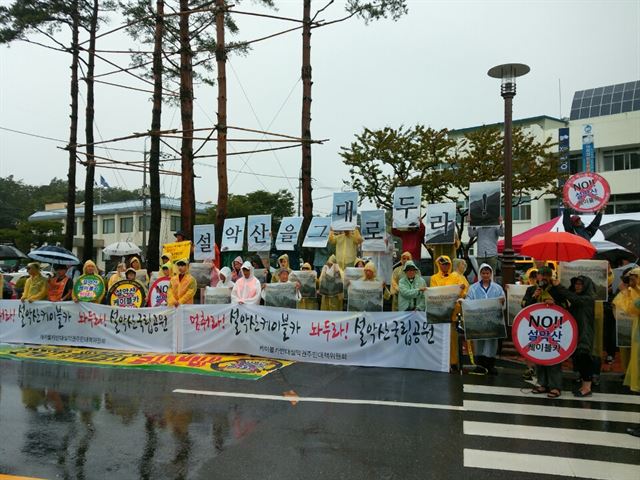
[
  {"x": 347, "y": 401},
  {"x": 550, "y": 411},
  {"x": 526, "y": 392},
  {"x": 543, "y": 464},
  {"x": 564, "y": 435}
]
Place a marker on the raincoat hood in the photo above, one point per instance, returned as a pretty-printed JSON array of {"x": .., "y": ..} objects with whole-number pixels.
[
  {"x": 370, "y": 266},
  {"x": 406, "y": 256},
  {"x": 247, "y": 265},
  {"x": 485, "y": 265},
  {"x": 359, "y": 260},
  {"x": 443, "y": 257},
  {"x": 35, "y": 265},
  {"x": 306, "y": 266},
  {"x": 167, "y": 255},
  {"x": 459, "y": 265},
  {"x": 185, "y": 261},
  {"x": 226, "y": 273},
  {"x": 131, "y": 270},
  {"x": 135, "y": 259},
  {"x": 87, "y": 264},
  {"x": 410, "y": 264},
  {"x": 331, "y": 260},
  {"x": 284, "y": 257},
  {"x": 588, "y": 287},
  {"x": 237, "y": 259}
]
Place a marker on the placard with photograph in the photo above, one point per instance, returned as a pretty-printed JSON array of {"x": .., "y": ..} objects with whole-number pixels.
[
  {"x": 484, "y": 203},
  {"x": 483, "y": 319},
  {"x": 365, "y": 296}
]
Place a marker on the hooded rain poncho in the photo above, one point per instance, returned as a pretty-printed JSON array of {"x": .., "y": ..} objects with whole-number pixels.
[
  {"x": 478, "y": 291},
  {"x": 246, "y": 290},
  {"x": 182, "y": 289},
  {"x": 333, "y": 303},
  {"x": 36, "y": 287},
  {"x": 226, "y": 273}
]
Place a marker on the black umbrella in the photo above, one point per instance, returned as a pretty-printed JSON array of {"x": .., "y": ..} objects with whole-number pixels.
[
  {"x": 612, "y": 252},
  {"x": 55, "y": 255},
  {"x": 625, "y": 233},
  {"x": 9, "y": 252}
]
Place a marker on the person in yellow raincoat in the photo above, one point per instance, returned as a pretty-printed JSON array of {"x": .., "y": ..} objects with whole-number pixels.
[
  {"x": 182, "y": 287},
  {"x": 331, "y": 302},
  {"x": 283, "y": 263},
  {"x": 89, "y": 268},
  {"x": 444, "y": 277},
  {"x": 308, "y": 303},
  {"x": 346, "y": 244},
  {"x": 165, "y": 259},
  {"x": 397, "y": 274},
  {"x": 36, "y": 287},
  {"x": 117, "y": 276},
  {"x": 370, "y": 274},
  {"x": 628, "y": 299}
]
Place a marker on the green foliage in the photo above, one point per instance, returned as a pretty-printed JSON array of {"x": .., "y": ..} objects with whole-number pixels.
[
  {"x": 377, "y": 10},
  {"x": 28, "y": 235}
]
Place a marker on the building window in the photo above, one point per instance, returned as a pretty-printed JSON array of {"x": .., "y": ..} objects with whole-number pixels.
[
  {"x": 176, "y": 223},
  {"x": 522, "y": 211},
  {"x": 126, "y": 225},
  {"x": 144, "y": 223},
  {"x": 95, "y": 227},
  {"x": 108, "y": 225},
  {"x": 623, "y": 203},
  {"x": 575, "y": 163},
  {"x": 614, "y": 160}
]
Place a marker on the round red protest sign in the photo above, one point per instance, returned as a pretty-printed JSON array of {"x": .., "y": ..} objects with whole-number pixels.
[
  {"x": 545, "y": 334},
  {"x": 586, "y": 192},
  {"x": 158, "y": 292}
]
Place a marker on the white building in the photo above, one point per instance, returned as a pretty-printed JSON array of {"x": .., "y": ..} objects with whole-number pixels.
[
  {"x": 118, "y": 221},
  {"x": 613, "y": 112}
]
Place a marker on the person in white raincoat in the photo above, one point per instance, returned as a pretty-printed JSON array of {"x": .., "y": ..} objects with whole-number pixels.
[
  {"x": 247, "y": 287},
  {"x": 225, "y": 278},
  {"x": 485, "y": 351}
]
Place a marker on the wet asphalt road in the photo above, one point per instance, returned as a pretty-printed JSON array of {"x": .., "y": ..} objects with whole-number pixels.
[{"x": 67, "y": 421}]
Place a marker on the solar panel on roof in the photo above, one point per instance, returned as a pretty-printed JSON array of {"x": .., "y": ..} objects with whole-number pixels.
[{"x": 608, "y": 100}]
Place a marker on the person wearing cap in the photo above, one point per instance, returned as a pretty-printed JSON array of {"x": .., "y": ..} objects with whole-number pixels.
[
  {"x": 397, "y": 274},
  {"x": 346, "y": 244},
  {"x": 485, "y": 351},
  {"x": 331, "y": 273},
  {"x": 224, "y": 278},
  {"x": 181, "y": 236},
  {"x": 411, "y": 288},
  {"x": 36, "y": 287},
  {"x": 308, "y": 303},
  {"x": 446, "y": 276},
  {"x": 573, "y": 224},
  {"x": 246, "y": 289},
  {"x": 182, "y": 287},
  {"x": 59, "y": 288}
]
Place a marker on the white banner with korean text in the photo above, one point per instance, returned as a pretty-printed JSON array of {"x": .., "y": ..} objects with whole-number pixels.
[{"x": 383, "y": 339}]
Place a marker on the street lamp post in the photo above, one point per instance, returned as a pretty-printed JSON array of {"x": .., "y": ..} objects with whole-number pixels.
[{"x": 508, "y": 74}]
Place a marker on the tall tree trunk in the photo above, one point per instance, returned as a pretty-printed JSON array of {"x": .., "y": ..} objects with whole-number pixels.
[
  {"x": 73, "y": 130},
  {"x": 89, "y": 115},
  {"x": 153, "y": 247},
  {"x": 188, "y": 207},
  {"x": 307, "y": 200},
  {"x": 221, "y": 59}
]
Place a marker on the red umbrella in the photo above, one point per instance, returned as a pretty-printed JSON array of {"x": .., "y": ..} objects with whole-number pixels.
[{"x": 558, "y": 246}]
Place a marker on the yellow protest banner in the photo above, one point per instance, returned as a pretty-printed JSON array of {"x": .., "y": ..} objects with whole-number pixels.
[{"x": 177, "y": 250}]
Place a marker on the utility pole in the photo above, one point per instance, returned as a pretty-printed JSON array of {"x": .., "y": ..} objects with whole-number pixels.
[
  {"x": 221, "y": 127},
  {"x": 144, "y": 204},
  {"x": 305, "y": 175},
  {"x": 299, "y": 192}
]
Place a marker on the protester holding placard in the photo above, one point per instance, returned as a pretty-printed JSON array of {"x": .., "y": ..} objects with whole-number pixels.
[
  {"x": 411, "y": 288},
  {"x": 36, "y": 287},
  {"x": 370, "y": 274},
  {"x": 485, "y": 351},
  {"x": 397, "y": 274},
  {"x": 117, "y": 276},
  {"x": 412, "y": 239},
  {"x": 309, "y": 303},
  {"x": 96, "y": 292},
  {"x": 628, "y": 299},
  {"x": 321, "y": 255},
  {"x": 573, "y": 224},
  {"x": 236, "y": 268},
  {"x": 246, "y": 289},
  {"x": 331, "y": 286},
  {"x": 487, "y": 244},
  {"x": 283, "y": 263},
  {"x": 278, "y": 300},
  {"x": 346, "y": 244},
  {"x": 183, "y": 286}
]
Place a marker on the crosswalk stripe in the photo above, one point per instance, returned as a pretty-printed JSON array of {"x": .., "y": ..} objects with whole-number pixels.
[
  {"x": 551, "y": 411},
  {"x": 543, "y": 464},
  {"x": 563, "y": 435},
  {"x": 517, "y": 392}
]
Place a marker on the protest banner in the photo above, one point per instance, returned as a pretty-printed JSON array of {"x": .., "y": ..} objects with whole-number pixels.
[
  {"x": 177, "y": 250},
  {"x": 515, "y": 295},
  {"x": 377, "y": 339},
  {"x": 441, "y": 302},
  {"x": 373, "y": 231},
  {"x": 308, "y": 281},
  {"x": 288, "y": 232},
  {"x": 331, "y": 284},
  {"x": 624, "y": 327},
  {"x": 202, "y": 273},
  {"x": 89, "y": 288},
  {"x": 126, "y": 294},
  {"x": 586, "y": 192},
  {"x": 233, "y": 235},
  {"x": 484, "y": 203},
  {"x": 344, "y": 214},
  {"x": 158, "y": 292},
  {"x": 88, "y": 325},
  {"x": 351, "y": 274},
  {"x": 365, "y": 296},
  {"x": 596, "y": 270},
  {"x": 204, "y": 238},
  {"x": 217, "y": 295},
  {"x": 440, "y": 224},
  {"x": 259, "y": 233},
  {"x": 281, "y": 294},
  {"x": 406, "y": 207},
  {"x": 318, "y": 233},
  {"x": 483, "y": 319},
  {"x": 545, "y": 334}
]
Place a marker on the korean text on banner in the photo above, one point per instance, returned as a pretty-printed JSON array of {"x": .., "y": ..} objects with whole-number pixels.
[
  {"x": 288, "y": 233},
  {"x": 373, "y": 231},
  {"x": 483, "y": 319},
  {"x": 440, "y": 224},
  {"x": 596, "y": 270},
  {"x": 344, "y": 215},
  {"x": 484, "y": 203},
  {"x": 259, "y": 233},
  {"x": 88, "y": 325},
  {"x": 406, "y": 207},
  {"x": 318, "y": 233},
  {"x": 390, "y": 339},
  {"x": 204, "y": 237},
  {"x": 177, "y": 250},
  {"x": 233, "y": 235}
]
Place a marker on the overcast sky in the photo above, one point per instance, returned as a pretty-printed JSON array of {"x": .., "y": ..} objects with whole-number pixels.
[{"x": 429, "y": 67}]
